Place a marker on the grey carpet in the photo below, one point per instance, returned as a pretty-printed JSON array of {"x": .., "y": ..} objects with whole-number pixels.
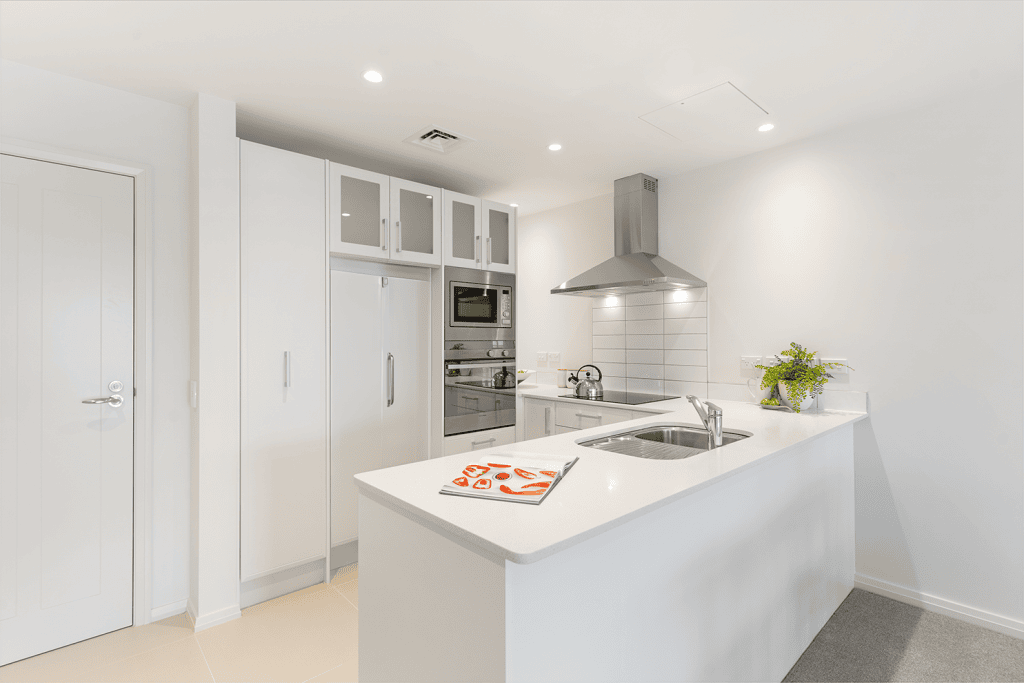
[{"x": 873, "y": 638}]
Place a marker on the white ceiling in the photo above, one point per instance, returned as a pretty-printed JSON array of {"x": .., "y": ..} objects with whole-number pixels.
[{"x": 517, "y": 76}]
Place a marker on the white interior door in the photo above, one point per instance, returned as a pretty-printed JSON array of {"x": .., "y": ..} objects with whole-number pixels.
[
  {"x": 66, "y": 327},
  {"x": 407, "y": 340},
  {"x": 357, "y": 393}
]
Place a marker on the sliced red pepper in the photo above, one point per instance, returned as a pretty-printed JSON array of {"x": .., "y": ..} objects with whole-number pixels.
[
  {"x": 539, "y": 484},
  {"x": 475, "y": 470},
  {"x": 549, "y": 473},
  {"x": 502, "y": 476},
  {"x": 461, "y": 481},
  {"x": 494, "y": 464},
  {"x": 505, "y": 489},
  {"x": 524, "y": 474},
  {"x": 482, "y": 484}
]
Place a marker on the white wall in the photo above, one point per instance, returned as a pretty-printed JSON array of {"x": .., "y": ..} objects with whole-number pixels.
[
  {"x": 552, "y": 247},
  {"x": 896, "y": 244},
  {"x": 50, "y": 109}
]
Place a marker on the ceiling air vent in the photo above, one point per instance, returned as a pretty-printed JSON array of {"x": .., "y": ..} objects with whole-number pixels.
[{"x": 437, "y": 139}]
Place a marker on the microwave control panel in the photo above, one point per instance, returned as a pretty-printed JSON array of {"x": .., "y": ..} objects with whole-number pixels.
[{"x": 505, "y": 308}]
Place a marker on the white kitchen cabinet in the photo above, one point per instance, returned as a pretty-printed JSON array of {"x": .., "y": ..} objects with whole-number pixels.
[
  {"x": 360, "y": 210},
  {"x": 583, "y": 415},
  {"x": 416, "y": 214},
  {"x": 380, "y": 332},
  {"x": 283, "y": 265},
  {"x": 463, "y": 230},
  {"x": 540, "y": 418},
  {"x": 477, "y": 441},
  {"x": 560, "y": 429},
  {"x": 499, "y": 237},
  {"x": 479, "y": 234},
  {"x": 374, "y": 216}
]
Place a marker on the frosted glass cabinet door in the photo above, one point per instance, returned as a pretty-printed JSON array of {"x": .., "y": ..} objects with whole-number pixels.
[
  {"x": 416, "y": 223},
  {"x": 499, "y": 237},
  {"x": 462, "y": 230},
  {"x": 360, "y": 212}
]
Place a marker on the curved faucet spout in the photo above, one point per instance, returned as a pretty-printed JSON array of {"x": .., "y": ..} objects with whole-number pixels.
[{"x": 711, "y": 417}]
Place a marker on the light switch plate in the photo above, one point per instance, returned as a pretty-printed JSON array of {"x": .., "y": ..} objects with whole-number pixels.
[
  {"x": 542, "y": 356},
  {"x": 554, "y": 357},
  {"x": 748, "y": 362}
]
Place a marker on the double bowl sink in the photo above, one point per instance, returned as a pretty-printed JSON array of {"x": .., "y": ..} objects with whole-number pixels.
[{"x": 663, "y": 442}]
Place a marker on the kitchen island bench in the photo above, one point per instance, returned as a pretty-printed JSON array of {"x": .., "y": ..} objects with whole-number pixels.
[{"x": 721, "y": 566}]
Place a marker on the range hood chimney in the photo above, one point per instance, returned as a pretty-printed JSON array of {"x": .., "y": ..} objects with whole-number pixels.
[{"x": 636, "y": 266}]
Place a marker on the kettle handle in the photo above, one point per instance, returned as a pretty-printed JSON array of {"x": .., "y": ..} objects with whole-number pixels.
[{"x": 591, "y": 366}]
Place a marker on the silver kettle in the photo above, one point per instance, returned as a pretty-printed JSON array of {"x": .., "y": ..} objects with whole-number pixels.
[{"x": 586, "y": 387}]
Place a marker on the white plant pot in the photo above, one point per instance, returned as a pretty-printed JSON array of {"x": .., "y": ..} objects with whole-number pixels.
[{"x": 784, "y": 393}]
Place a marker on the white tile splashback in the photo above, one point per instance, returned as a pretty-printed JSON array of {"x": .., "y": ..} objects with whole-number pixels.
[{"x": 653, "y": 342}]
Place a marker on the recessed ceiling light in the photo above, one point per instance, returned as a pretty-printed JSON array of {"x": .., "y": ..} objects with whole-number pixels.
[
  {"x": 765, "y": 128},
  {"x": 373, "y": 77},
  {"x": 515, "y": 205},
  {"x": 555, "y": 147},
  {"x": 430, "y": 196},
  {"x": 345, "y": 215}
]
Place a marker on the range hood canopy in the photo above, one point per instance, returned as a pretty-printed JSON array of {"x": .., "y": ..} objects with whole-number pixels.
[{"x": 636, "y": 266}]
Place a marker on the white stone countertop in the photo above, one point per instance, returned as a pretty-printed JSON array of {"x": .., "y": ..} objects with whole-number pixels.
[{"x": 603, "y": 490}]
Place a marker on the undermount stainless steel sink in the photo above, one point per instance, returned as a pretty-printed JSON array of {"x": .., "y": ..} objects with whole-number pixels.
[{"x": 663, "y": 442}]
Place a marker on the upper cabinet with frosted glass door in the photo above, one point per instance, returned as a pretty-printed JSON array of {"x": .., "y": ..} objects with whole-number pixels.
[
  {"x": 499, "y": 237},
  {"x": 374, "y": 216},
  {"x": 416, "y": 214},
  {"x": 479, "y": 233}
]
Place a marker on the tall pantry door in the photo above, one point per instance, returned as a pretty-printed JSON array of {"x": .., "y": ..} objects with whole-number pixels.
[
  {"x": 66, "y": 404},
  {"x": 358, "y": 362},
  {"x": 283, "y": 237},
  {"x": 380, "y": 336},
  {"x": 407, "y": 340}
]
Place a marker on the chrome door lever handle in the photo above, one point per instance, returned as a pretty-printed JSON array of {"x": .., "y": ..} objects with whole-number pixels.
[{"x": 115, "y": 401}]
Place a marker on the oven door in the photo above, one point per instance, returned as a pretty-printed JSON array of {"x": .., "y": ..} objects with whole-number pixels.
[{"x": 472, "y": 402}]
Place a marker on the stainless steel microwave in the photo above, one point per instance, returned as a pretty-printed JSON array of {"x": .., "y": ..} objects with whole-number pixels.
[{"x": 479, "y": 304}]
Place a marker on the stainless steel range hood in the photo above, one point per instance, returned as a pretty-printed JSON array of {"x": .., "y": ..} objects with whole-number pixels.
[{"x": 636, "y": 266}]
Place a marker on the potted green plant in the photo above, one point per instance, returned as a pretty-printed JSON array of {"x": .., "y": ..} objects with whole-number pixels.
[{"x": 796, "y": 380}]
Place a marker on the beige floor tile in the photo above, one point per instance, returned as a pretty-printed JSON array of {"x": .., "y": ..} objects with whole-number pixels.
[
  {"x": 351, "y": 591},
  {"x": 345, "y": 574},
  {"x": 292, "y": 638},
  {"x": 181, "y": 661},
  {"x": 71, "y": 662},
  {"x": 346, "y": 673}
]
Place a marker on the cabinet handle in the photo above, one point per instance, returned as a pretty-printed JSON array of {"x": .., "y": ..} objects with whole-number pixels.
[
  {"x": 547, "y": 418},
  {"x": 490, "y": 257},
  {"x": 592, "y": 417},
  {"x": 384, "y": 234},
  {"x": 474, "y": 444},
  {"x": 287, "y": 369},
  {"x": 476, "y": 249},
  {"x": 398, "y": 242},
  {"x": 391, "y": 380}
]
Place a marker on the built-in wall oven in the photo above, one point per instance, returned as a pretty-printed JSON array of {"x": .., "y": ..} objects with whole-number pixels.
[{"x": 480, "y": 351}]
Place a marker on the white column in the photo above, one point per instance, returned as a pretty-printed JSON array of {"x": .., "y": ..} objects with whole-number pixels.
[{"x": 214, "y": 342}]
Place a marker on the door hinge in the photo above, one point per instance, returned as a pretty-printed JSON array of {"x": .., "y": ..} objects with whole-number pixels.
[
  {"x": 383, "y": 282},
  {"x": 135, "y": 392}
]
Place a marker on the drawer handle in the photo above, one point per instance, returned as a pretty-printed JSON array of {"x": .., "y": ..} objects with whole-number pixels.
[
  {"x": 547, "y": 419},
  {"x": 592, "y": 417},
  {"x": 477, "y": 443}
]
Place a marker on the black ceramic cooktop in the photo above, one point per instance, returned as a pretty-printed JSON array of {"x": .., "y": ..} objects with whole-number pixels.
[{"x": 624, "y": 397}]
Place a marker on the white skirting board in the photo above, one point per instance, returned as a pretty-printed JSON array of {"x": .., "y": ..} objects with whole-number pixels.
[
  {"x": 201, "y": 623},
  {"x": 283, "y": 582},
  {"x": 344, "y": 554},
  {"x": 933, "y": 603},
  {"x": 168, "y": 610}
]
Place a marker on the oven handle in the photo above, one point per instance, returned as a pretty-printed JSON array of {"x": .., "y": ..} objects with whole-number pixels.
[{"x": 473, "y": 366}]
